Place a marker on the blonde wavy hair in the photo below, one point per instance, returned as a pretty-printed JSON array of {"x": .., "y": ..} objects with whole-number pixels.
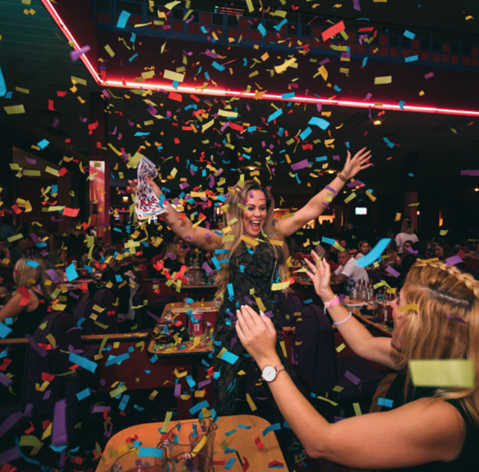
[
  {"x": 407, "y": 227},
  {"x": 441, "y": 292},
  {"x": 28, "y": 276},
  {"x": 238, "y": 195}
]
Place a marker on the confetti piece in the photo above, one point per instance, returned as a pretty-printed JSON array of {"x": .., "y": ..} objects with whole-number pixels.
[
  {"x": 272, "y": 427},
  {"x": 453, "y": 260},
  {"x": 374, "y": 254},
  {"x": 14, "y": 109},
  {"x": 123, "y": 19},
  {"x": 442, "y": 373},
  {"x": 383, "y": 80},
  {"x": 411, "y": 306},
  {"x": 409, "y": 35},
  {"x": 74, "y": 55},
  {"x": 333, "y": 31},
  {"x": 150, "y": 452},
  {"x": 385, "y": 402}
]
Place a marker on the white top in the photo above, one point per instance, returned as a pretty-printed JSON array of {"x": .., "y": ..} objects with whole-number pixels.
[
  {"x": 401, "y": 238},
  {"x": 359, "y": 255},
  {"x": 352, "y": 271}
]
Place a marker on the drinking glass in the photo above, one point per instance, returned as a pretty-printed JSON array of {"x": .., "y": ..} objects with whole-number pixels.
[
  {"x": 130, "y": 462},
  {"x": 189, "y": 462},
  {"x": 187, "y": 435}
]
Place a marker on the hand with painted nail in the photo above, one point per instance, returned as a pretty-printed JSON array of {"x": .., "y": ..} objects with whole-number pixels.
[{"x": 257, "y": 334}]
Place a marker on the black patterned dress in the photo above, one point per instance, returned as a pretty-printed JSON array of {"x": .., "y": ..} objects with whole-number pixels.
[{"x": 248, "y": 270}]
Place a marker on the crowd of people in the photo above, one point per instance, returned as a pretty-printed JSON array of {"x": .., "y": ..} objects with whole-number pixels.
[{"x": 259, "y": 254}]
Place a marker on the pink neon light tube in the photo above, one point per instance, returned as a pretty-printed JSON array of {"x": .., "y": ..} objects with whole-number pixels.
[{"x": 233, "y": 93}]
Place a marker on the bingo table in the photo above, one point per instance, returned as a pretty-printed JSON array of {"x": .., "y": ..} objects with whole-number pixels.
[{"x": 243, "y": 433}]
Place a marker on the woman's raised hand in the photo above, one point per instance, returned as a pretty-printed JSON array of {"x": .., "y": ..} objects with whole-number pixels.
[
  {"x": 257, "y": 334},
  {"x": 133, "y": 185},
  {"x": 359, "y": 162},
  {"x": 320, "y": 275}
]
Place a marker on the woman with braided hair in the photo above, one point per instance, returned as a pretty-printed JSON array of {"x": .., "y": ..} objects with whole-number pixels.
[{"x": 427, "y": 429}]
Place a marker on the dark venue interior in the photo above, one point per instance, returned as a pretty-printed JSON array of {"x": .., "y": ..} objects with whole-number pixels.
[{"x": 119, "y": 330}]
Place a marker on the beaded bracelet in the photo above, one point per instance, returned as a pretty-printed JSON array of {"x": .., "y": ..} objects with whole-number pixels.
[{"x": 344, "y": 321}]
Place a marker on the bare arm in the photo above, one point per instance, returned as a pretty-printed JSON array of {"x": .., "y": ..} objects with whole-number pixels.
[
  {"x": 12, "y": 308},
  {"x": 197, "y": 236},
  {"x": 315, "y": 206},
  {"x": 356, "y": 336},
  {"x": 416, "y": 433}
]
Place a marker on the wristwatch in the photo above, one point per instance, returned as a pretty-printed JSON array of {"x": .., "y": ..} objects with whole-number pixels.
[{"x": 270, "y": 372}]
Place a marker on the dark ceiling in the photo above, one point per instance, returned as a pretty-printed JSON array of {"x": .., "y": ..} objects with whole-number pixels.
[{"x": 35, "y": 56}]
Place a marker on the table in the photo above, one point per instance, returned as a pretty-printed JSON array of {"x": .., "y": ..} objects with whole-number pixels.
[
  {"x": 367, "y": 319},
  {"x": 243, "y": 440}
]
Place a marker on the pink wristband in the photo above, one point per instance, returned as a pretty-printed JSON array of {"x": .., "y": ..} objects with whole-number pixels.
[{"x": 332, "y": 302}]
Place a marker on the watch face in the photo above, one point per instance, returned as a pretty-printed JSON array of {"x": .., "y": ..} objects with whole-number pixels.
[{"x": 269, "y": 373}]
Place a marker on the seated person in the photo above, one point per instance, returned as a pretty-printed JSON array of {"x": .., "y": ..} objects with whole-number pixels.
[
  {"x": 4, "y": 254},
  {"x": 390, "y": 256},
  {"x": 348, "y": 270},
  {"x": 405, "y": 251},
  {"x": 57, "y": 260},
  {"x": 426, "y": 429},
  {"x": 26, "y": 316},
  {"x": 442, "y": 251},
  {"x": 178, "y": 251},
  {"x": 363, "y": 249}
]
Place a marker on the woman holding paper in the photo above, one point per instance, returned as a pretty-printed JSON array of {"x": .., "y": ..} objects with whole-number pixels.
[
  {"x": 419, "y": 428},
  {"x": 250, "y": 256}
]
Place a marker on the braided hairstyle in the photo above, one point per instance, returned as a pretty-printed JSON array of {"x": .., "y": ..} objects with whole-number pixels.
[{"x": 444, "y": 296}]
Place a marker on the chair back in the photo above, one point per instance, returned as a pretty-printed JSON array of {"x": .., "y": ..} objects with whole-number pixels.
[
  {"x": 314, "y": 350},
  {"x": 105, "y": 298},
  {"x": 290, "y": 305},
  {"x": 61, "y": 330}
]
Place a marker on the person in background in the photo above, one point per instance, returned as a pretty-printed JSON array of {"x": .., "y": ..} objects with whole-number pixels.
[
  {"x": 363, "y": 249},
  {"x": 30, "y": 275},
  {"x": 442, "y": 251},
  {"x": 407, "y": 244},
  {"x": 424, "y": 429},
  {"x": 177, "y": 249},
  {"x": 391, "y": 256},
  {"x": 23, "y": 247},
  {"x": 348, "y": 270},
  {"x": 6, "y": 231},
  {"x": 57, "y": 260},
  {"x": 4, "y": 254},
  {"x": 406, "y": 234}
]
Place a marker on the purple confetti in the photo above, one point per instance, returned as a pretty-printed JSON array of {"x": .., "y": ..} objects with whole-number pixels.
[
  {"x": 470, "y": 172},
  {"x": 428, "y": 76},
  {"x": 78, "y": 52},
  {"x": 453, "y": 260},
  {"x": 459, "y": 320},
  {"x": 59, "y": 428},
  {"x": 351, "y": 377},
  {"x": 368, "y": 96},
  {"x": 392, "y": 271},
  {"x": 331, "y": 189},
  {"x": 35, "y": 346},
  {"x": 356, "y": 5}
]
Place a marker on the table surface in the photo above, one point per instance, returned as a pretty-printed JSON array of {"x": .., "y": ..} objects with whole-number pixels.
[
  {"x": 367, "y": 319},
  {"x": 243, "y": 440}
]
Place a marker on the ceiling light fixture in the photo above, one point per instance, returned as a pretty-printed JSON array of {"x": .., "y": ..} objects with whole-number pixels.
[
  {"x": 251, "y": 168},
  {"x": 377, "y": 122},
  {"x": 476, "y": 190},
  {"x": 236, "y": 93}
]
